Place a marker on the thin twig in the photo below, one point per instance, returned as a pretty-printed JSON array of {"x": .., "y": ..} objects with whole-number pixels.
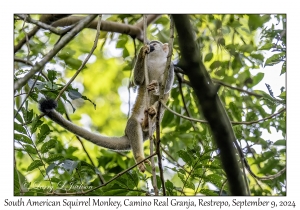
[
  {"x": 179, "y": 70},
  {"x": 223, "y": 185},
  {"x": 23, "y": 61},
  {"x": 256, "y": 121},
  {"x": 237, "y": 88},
  {"x": 232, "y": 122},
  {"x": 161, "y": 96},
  {"x": 23, "y": 41},
  {"x": 26, "y": 18},
  {"x": 66, "y": 39},
  {"x": 84, "y": 62},
  {"x": 279, "y": 173},
  {"x": 190, "y": 173},
  {"x": 173, "y": 159},
  {"x": 153, "y": 170},
  {"x": 102, "y": 180},
  {"x": 183, "y": 99},
  {"x": 29, "y": 92},
  {"x": 44, "y": 18}
]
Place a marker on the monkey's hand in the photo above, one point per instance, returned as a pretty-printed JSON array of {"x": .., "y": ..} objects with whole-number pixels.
[
  {"x": 153, "y": 85},
  {"x": 146, "y": 50}
]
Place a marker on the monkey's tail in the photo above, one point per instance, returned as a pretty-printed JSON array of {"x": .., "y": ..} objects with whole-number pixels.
[{"x": 48, "y": 106}]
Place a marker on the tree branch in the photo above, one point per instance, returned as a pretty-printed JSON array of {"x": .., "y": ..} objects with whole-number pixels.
[
  {"x": 135, "y": 31},
  {"x": 23, "y": 61},
  {"x": 211, "y": 105},
  {"x": 66, "y": 39},
  {"x": 45, "y": 19},
  {"x": 232, "y": 122},
  {"x": 85, "y": 60},
  {"x": 161, "y": 96},
  {"x": 40, "y": 24},
  {"x": 249, "y": 168}
]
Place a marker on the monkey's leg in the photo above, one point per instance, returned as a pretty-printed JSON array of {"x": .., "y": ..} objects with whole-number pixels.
[
  {"x": 135, "y": 135},
  {"x": 151, "y": 111}
]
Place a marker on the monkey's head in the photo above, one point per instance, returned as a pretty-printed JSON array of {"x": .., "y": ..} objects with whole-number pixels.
[{"x": 158, "y": 49}]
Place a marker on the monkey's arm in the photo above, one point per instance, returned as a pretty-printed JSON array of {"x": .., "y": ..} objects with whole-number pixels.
[
  {"x": 139, "y": 68},
  {"x": 115, "y": 143},
  {"x": 170, "y": 79}
]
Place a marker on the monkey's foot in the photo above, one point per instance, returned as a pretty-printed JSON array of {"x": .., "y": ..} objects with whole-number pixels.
[
  {"x": 142, "y": 166},
  {"x": 151, "y": 111},
  {"x": 153, "y": 86}
]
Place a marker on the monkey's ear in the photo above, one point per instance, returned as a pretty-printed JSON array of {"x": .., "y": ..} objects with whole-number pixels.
[{"x": 166, "y": 47}]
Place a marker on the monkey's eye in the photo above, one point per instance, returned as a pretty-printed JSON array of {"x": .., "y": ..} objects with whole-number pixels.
[{"x": 154, "y": 44}]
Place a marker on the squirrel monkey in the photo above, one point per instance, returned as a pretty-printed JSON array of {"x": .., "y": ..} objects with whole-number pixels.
[{"x": 136, "y": 131}]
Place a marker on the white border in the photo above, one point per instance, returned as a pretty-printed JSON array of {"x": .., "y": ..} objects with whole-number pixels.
[{"x": 153, "y": 6}]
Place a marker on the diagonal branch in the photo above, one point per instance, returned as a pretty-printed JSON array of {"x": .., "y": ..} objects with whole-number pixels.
[
  {"x": 232, "y": 122},
  {"x": 161, "y": 96},
  {"x": 48, "y": 19},
  {"x": 85, "y": 60},
  {"x": 135, "y": 31},
  {"x": 66, "y": 39},
  {"x": 40, "y": 24}
]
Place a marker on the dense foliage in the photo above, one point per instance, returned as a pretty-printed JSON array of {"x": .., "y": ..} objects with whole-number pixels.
[{"x": 235, "y": 49}]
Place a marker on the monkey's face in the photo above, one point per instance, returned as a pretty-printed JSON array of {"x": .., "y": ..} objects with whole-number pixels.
[{"x": 158, "y": 49}]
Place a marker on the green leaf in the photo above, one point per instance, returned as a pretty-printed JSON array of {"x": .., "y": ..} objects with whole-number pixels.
[
  {"x": 27, "y": 114},
  {"x": 19, "y": 128},
  {"x": 283, "y": 69},
  {"x": 208, "y": 192},
  {"x": 48, "y": 145},
  {"x": 66, "y": 53},
  {"x": 73, "y": 94},
  {"x": 247, "y": 48},
  {"x": 281, "y": 142},
  {"x": 185, "y": 156},
  {"x": 190, "y": 184},
  {"x": 52, "y": 75},
  {"x": 18, "y": 116},
  {"x": 158, "y": 181},
  {"x": 35, "y": 164},
  {"x": 51, "y": 86},
  {"x": 53, "y": 158},
  {"x": 87, "y": 99},
  {"x": 30, "y": 149},
  {"x": 257, "y": 78},
  {"x": 215, "y": 65},
  {"x": 266, "y": 46},
  {"x": 73, "y": 63},
  {"x": 274, "y": 59},
  {"x": 282, "y": 95},
  {"x": 215, "y": 179},
  {"x": 257, "y": 21},
  {"x": 125, "y": 52},
  {"x": 19, "y": 183},
  {"x": 22, "y": 138},
  {"x": 235, "y": 111},
  {"x": 50, "y": 167},
  {"x": 35, "y": 124},
  {"x": 44, "y": 132},
  {"x": 258, "y": 57},
  {"x": 208, "y": 57}
]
